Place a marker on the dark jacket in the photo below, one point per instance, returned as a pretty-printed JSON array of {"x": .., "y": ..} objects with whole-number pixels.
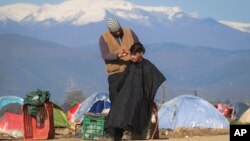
[{"x": 132, "y": 106}]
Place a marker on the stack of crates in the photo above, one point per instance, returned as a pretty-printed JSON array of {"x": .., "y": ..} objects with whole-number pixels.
[{"x": 92, "y": 127}]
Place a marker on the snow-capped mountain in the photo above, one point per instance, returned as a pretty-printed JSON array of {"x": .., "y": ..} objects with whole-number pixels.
[
  {"x": 244, "y": 27},
  {"x": 79, "y": 22},
  {"x": 81, "y": 12},
  {"x": 17, "y": 12}
]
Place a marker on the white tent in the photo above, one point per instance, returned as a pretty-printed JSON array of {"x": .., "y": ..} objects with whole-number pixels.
[
  {"x": 87, "y": 105},
  {"x": 190, "y": 112}
]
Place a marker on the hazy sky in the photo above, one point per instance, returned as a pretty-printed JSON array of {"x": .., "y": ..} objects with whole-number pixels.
[{"x": 228, "y": 10}]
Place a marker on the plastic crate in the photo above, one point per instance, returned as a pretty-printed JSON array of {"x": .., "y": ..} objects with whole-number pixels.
[
  {"x": 92, "y": 127},
  {"x": 33, "y": 129}
]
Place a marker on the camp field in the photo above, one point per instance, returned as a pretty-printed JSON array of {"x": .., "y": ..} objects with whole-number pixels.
[{"x": 218, "y": 127}]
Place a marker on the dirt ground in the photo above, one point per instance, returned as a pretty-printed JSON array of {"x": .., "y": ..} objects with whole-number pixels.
[
  {"x": 195, "y": 138},
  {"x": 202, "y": 138},
  {"x": 182, "y": 134}
]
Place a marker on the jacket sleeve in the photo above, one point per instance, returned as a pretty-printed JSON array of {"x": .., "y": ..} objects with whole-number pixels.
[{"x": 106, "y": 55}]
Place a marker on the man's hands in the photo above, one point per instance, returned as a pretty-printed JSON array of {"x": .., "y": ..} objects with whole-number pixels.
[{"x": 123, "y": 53}]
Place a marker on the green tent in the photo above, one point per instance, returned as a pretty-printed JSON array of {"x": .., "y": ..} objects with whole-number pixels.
[{"x": 60, "y": 119}]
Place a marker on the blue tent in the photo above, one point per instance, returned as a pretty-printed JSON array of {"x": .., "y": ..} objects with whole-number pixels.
[
  {"x": 190, "y": 112},
  {"x": 5, "y": 100},
  {"x": 95, "y": 104}
]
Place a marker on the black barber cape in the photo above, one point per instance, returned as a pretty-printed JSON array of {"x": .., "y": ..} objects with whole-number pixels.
[{"x": 132, "y": 107}]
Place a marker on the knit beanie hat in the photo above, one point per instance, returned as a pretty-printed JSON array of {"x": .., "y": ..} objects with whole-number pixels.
[{"x": 113, "y": 24}]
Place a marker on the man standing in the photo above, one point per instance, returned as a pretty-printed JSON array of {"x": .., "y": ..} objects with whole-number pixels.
[{"x": 115, "y": 45}]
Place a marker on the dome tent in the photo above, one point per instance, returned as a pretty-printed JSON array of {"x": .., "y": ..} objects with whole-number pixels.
[
  {"x": 11, "y": 118},
  {"x": 5, "y": 100},
  {"x": 245, "y": 118},
  {"x": 95, "y": 103},
  {"x": 190, "y": 112},
  {"x": 11, "y": 105},
  {"x": 60, "y": 118}
]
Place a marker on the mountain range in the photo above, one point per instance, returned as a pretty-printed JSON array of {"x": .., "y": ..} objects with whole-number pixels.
[
  {"x": 28, "y": 63},
  {"x": 55, "y": 47},
  {"x": 81, "y": 22}
]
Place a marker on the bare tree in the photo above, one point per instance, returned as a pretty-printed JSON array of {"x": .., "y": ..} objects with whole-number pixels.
[
  {"x": 74, "y": 95},
  {"x": 164, "y": 94},
  {"x": 195, "y": 93}
]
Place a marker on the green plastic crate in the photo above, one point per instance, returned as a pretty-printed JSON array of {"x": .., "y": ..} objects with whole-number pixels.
[{"x": 92, "y": 127}]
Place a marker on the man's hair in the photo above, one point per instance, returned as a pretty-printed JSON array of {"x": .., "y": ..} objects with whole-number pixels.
[{"x": 137, "y": 47}]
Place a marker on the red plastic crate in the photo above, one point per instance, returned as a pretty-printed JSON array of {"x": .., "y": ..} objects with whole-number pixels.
[{"x": 39, "y": 130}]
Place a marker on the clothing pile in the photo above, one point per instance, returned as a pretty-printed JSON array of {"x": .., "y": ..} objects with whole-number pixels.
[{"x": 34, "y": 102}]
